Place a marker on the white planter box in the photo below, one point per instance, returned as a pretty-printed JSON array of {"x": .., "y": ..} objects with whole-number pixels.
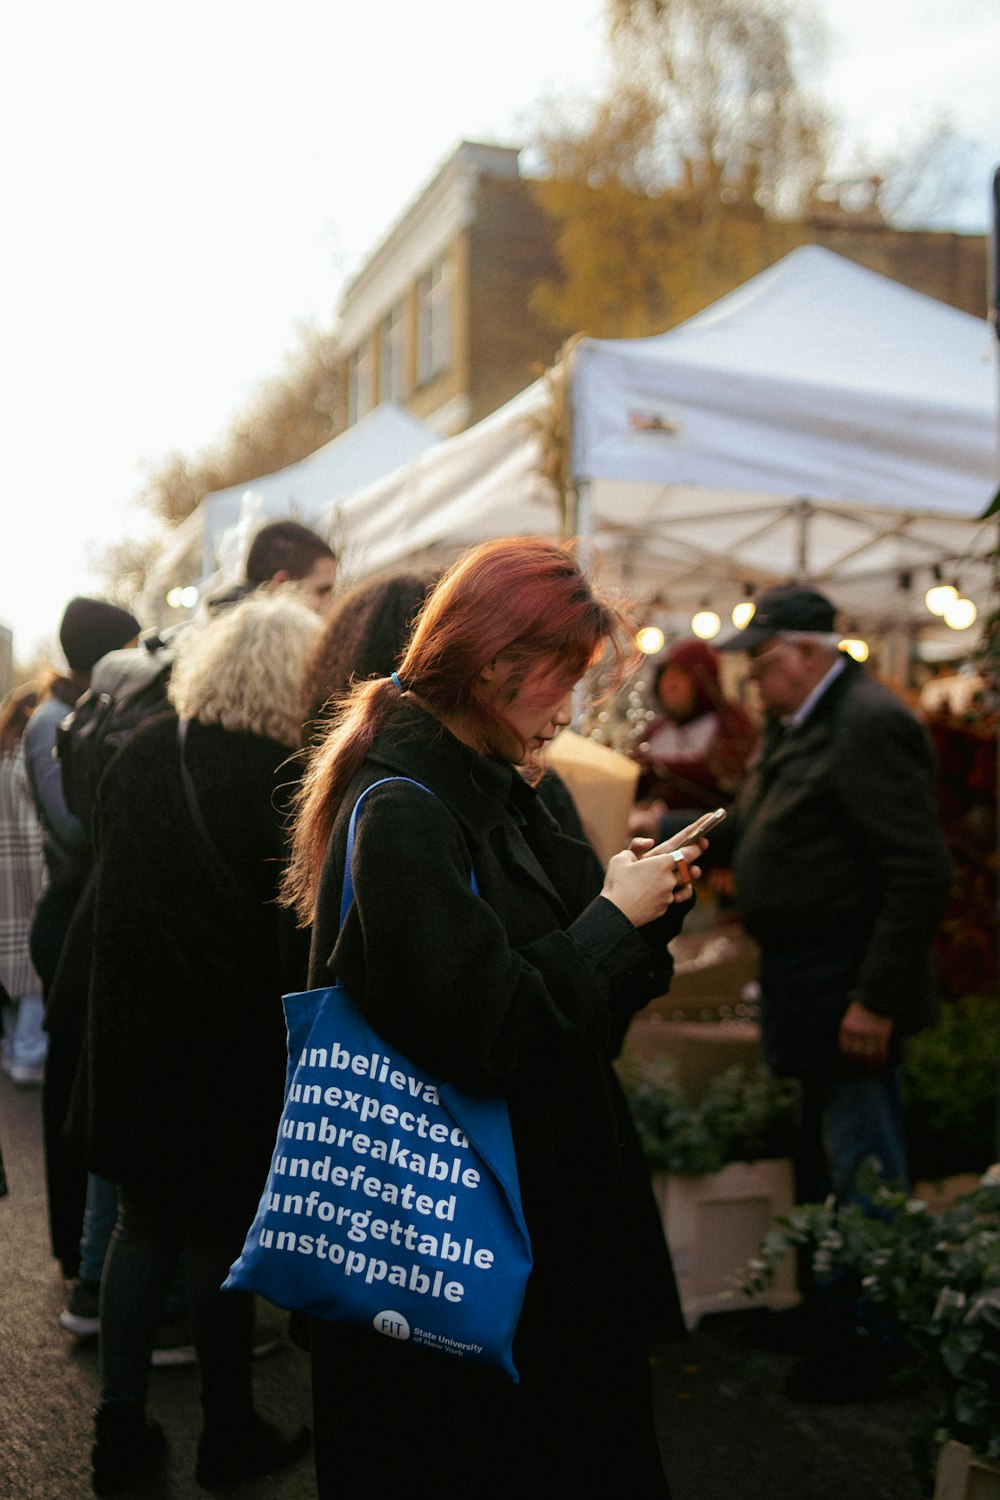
[
  {"x": 963, "y": 1476},
  {"x": 715, "y": 1224}
]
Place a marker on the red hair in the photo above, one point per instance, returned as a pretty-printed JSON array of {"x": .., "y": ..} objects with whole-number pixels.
[{"x": 515, "y": 604}]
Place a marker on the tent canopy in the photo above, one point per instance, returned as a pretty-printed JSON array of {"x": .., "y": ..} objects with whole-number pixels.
[
  {"x": 213, "y": 538},
  {"x": 482, "y": 483},
  {"x": 821, "y": 422},
  {"x": 818, "y": 378},
  {"x": 381, "y": 441}
]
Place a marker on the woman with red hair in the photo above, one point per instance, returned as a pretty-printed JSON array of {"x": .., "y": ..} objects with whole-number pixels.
[{"x": 523, "y": 988}]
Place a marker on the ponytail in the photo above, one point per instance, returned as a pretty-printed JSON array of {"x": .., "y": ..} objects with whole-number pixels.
[{"x": 331, "y": 768}]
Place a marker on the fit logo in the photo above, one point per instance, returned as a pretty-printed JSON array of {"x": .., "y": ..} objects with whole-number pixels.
[{"x": 392, "y": 1324}]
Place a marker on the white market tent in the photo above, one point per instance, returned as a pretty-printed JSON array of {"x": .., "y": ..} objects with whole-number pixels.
[
  {"x": 822, "y": 422},
  {"x": 211, "y": 542}
]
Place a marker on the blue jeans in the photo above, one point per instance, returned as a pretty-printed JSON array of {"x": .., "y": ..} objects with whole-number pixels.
[
  {"x": 99, "y": 1217},
  {"x": 844, "y": 1119},
  {"x": 846, "y": 1112},
  {"x": 25, "y": 1042}
]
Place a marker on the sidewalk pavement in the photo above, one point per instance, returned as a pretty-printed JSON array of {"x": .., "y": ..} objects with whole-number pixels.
[{"x": 726, "y": 1431}]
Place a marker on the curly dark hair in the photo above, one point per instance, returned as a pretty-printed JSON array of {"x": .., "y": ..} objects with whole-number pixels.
[{"x": 363, "y": 636}]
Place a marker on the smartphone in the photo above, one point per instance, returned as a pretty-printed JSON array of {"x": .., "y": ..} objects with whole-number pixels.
[{"x": 696, "y": 830}]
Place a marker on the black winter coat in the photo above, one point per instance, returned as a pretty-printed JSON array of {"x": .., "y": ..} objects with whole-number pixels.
[
  {"x": 841, "y": 871},
  {"x": 525, "y": 989},
  {"x": 186, "y": 1036},
  {"x": 838, "y": 835}
]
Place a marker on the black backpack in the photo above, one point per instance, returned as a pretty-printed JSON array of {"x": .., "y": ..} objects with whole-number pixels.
[{"x": 126, "y": 688}]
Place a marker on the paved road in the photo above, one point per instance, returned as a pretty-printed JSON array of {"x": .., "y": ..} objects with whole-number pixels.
[{"x": 726, "y": 1431}]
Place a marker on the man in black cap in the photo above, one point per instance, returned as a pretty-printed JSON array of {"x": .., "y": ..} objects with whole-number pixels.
[{"x": 841, "y": 876}]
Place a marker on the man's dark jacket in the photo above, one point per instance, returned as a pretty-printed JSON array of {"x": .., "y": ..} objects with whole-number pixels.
[{"x": 839, "y": 854}]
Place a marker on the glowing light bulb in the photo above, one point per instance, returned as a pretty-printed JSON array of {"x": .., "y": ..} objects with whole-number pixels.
[
  {"x": 174, "y": 598},
  {"x": 940, "y": 597},
  {"x": 705, "y": 624},
  {"x": 857, "y": 649},
  {"x": 743, "y": 613},
  {"x": 649, "y": 639},
  {"x": 960, "y": 614},
  {"x": 189, "y": 596}
]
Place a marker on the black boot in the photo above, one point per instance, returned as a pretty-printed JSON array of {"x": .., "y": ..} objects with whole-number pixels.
[
  {"x": 231, "y": 1453},
  {"x": 126, "y": 1446}
]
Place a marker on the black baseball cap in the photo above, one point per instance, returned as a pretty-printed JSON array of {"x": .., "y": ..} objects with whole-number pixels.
[{"x": 790, "y": 607}]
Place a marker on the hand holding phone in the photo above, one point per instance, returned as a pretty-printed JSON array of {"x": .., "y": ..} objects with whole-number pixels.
[{"x": 692, "y": 833}]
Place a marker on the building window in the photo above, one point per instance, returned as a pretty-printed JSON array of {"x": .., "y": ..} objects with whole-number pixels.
[
  {"x": 390, "y": 356},
  {"x": 434, "y": 321},
  {"x": 359, "y": 384}
]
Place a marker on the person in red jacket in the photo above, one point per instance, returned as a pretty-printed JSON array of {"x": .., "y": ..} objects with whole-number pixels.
[{"x": 696, "y": 751}]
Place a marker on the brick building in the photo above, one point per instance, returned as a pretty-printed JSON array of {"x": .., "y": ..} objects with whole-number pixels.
[{"x": 439, "y": 318}]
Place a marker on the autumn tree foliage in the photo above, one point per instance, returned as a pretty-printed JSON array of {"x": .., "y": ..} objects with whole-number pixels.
[
  {"x": 289, "y": 417},
  {"x": 688, "y": 177},
  {"x": 124, "y": 567},
  {"x": 734, "y": 123}
]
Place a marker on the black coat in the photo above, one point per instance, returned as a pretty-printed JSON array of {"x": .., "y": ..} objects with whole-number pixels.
[
  {"x": 840, "y": 865},
  {"x": 186, "y": 1037},
  {"x": 525, "y": 989}
]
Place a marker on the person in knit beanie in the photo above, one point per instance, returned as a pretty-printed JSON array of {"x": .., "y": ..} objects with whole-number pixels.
[{"x": 90, "y": 628}]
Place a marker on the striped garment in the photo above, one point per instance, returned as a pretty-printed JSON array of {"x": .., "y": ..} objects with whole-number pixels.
[{"x": 22, "y": 875}]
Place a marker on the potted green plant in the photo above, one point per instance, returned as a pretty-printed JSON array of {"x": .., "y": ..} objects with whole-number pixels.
[
  {"x": 950, "y": 1090},
  {"x": 936, "y": 1274},
  {"x": 721, "y": 1173}
]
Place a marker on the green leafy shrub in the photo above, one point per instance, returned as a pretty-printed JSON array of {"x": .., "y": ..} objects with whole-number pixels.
[
  {"x": 950, "y": 1090},
  {"x": 745, "y": 1114},
  {"x": 935, "y": 1274}
]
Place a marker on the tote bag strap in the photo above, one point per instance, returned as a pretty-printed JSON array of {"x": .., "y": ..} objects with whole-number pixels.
[
  {"x": 347, "y": 894},
  {"x": 474, "y": 1115}
]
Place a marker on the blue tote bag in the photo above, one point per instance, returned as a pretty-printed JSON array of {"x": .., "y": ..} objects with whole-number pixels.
[{"x": 392, "y": 1200}]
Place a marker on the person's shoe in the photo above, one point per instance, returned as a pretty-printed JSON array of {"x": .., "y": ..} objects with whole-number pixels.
[
  {"x": 230, "y": 1455},
  {"x": 80, "y": 1315},
  {"x": 265, "y": 1343},
  {"x": 172, "y": 1346},
  {"x": 29, "y": 1076},
  {"x": 126, "y": 1447}
]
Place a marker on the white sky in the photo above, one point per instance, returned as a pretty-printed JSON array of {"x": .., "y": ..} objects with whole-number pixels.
[{"x": 184, "y": 182}]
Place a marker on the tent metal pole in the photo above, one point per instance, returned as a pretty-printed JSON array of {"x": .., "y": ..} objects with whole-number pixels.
[
  {"x": 578, "y": 525},
  {"x": 580, "y": 516},
  {"x": 803, "y": 510},
  {"x": 581, "y": 524}
]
